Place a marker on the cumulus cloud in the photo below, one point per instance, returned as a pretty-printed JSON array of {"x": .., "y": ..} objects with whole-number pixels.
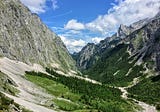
[
  {"x": 38, "y": 6},
  {"x": 72, "y": 44},
  {"x": 74, "y": 25},
  {"x": 96, "y": 40},
  {"x": 75, "y": 40},
  {"x": 126, "y": 12}
]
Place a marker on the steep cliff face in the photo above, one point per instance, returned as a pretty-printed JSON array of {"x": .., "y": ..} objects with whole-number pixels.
[
  {"x": 84, "y": 57},
  {"x": 25, "y": 38},
  {"x": 123, "y": 31},
  {"x": 145, "y": 42}
]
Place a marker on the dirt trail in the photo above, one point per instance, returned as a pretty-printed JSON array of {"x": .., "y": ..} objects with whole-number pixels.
[{"x": 146, "y": 107}]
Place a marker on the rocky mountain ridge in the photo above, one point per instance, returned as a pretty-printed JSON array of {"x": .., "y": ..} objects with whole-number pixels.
[
  {"x": 144, "y": 42},
  {"x": 123, "y": 34}
]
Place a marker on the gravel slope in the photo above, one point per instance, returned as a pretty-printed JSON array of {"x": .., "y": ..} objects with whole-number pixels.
[{"x": 30, "y": 96}]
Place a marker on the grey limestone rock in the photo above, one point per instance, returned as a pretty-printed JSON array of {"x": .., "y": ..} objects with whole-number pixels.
[{"x": 25, "y": 38}]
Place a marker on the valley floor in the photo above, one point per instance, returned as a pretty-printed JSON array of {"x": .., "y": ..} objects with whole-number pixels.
[{"x": 36, "y": 98}]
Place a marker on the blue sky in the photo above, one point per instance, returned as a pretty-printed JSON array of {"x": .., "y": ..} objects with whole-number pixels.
[
  {"x": 81, "y": 10},
  {"x": 78, "y": 22}
]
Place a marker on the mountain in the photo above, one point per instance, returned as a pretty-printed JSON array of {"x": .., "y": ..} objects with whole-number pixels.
[
  {"x": 110, "y": 42},
  {"x": 139, "y": 42},
  {"x": 91, "y": 52},
  {"x": 23, "y": 37},
  {"x": 129, "y": 59}
]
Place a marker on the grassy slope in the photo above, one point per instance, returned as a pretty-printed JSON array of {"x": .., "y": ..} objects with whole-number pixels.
[
  {"x": 116, "y": 59},
  {"x": 84, "y": 95},
  {"x": 111, "y": 61},
  {"x": 58, "y": 90}
]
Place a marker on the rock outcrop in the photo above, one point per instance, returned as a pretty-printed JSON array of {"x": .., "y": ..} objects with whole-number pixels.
[
  {"x": 84, "y": 57},
  {"x": 145, "y": 42},
  {"x": 123, "y": 31}
]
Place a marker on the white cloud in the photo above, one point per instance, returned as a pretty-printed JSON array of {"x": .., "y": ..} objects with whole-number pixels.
[
  {"x": 54, "y": 4},
  {"x": 72, "y": 44},
  {"x": 74, "y": 32},
  {"x": 78, "y": 43},
  {"x": 74, "y": 25},
  {"x": 126, "y": 12},
  {"x": 96, "y": 40},
  {"x": 38, "y": 6}
]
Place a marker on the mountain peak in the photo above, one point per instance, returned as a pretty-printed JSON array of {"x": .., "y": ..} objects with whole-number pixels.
[{"x": 123, "y": 31}]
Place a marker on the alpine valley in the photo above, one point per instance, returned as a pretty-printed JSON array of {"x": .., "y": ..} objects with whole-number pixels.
[{"x": 38, "y": 74}]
